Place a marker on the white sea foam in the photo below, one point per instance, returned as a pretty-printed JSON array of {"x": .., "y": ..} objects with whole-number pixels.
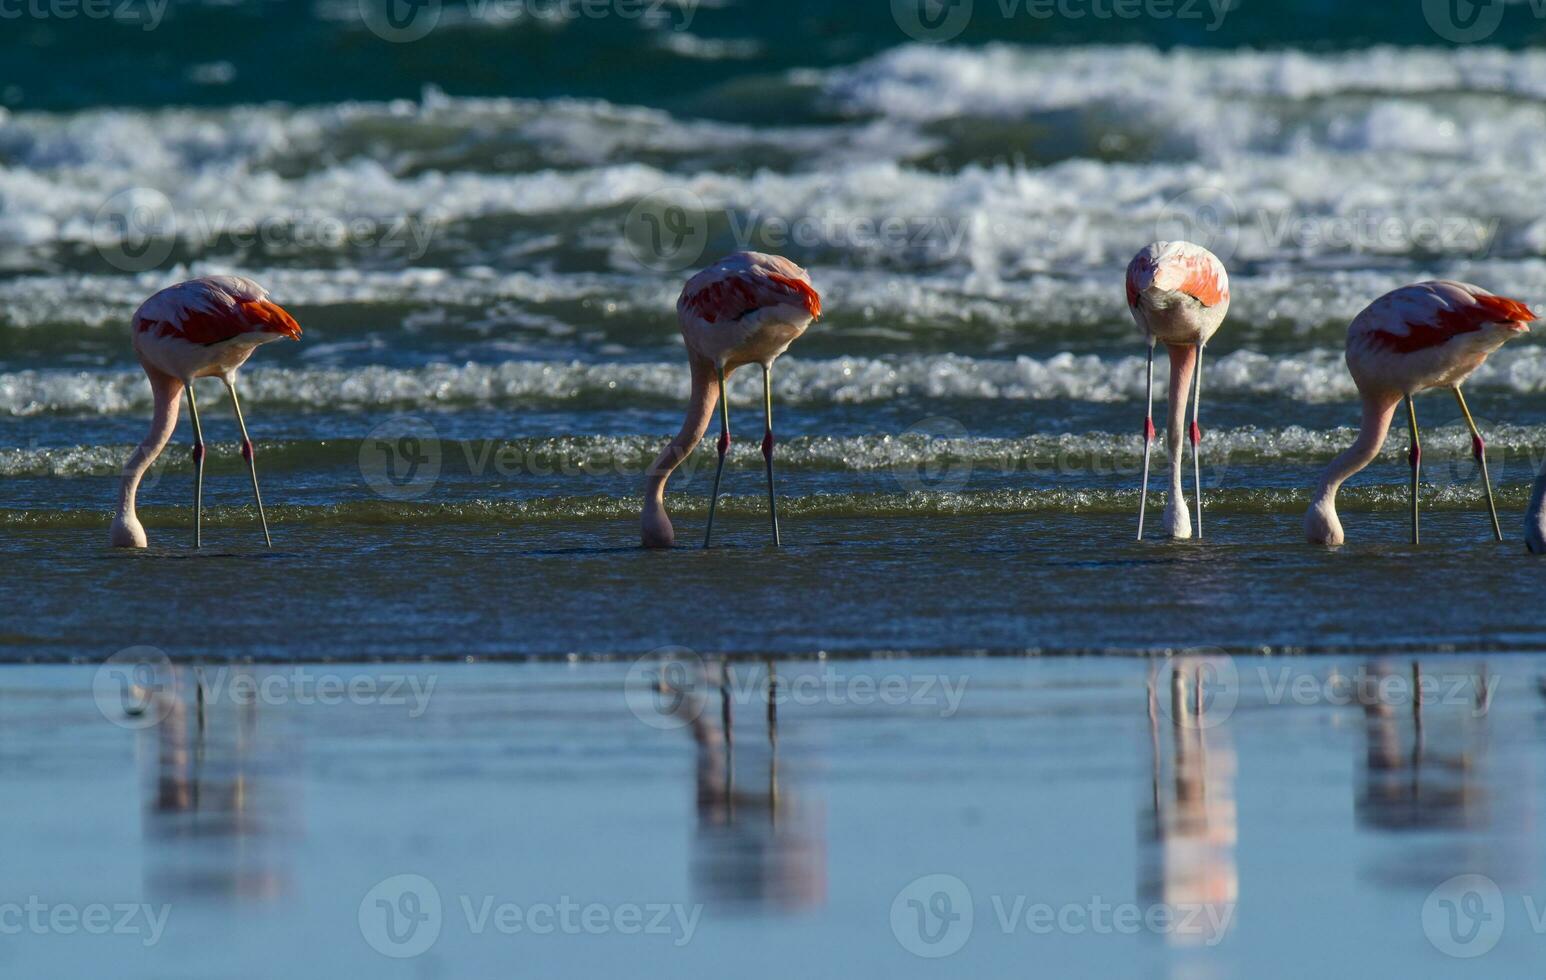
[
  {"x": 1354, "y": 157},
  {"x": 1309, "y": 376}
]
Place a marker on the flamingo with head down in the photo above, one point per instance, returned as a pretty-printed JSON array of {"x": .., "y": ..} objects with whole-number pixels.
[
  {"x": 745, "y": 309},
  {"x": 201, "y": 328},
  {"x": 1178, "y": 294},
  {"x": 1419, "y": 337}
]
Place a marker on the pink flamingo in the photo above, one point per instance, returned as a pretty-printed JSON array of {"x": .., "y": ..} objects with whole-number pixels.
[
  {"x": 1178, "y": 293},
  {"x": 1423, "y": 336},
  {"x": 745, "y": 309},
  {"x": 201, "y": 328}
]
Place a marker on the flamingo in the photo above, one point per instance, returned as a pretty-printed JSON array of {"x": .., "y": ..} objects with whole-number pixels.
[
  {"x": 201, "y": 328},
  {"x": 1178, "y": 293},
  {"x": 745, "y": 309},
  {"x": 1427, "y": 335}
]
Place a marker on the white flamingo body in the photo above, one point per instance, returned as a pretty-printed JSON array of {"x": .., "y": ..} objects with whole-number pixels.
[
  {"x": 745, "y": 309},
  {"x": 1178, "y": 294},
  {"x": 1417, "y": 338},
  {"x": 206, "y": 327}
]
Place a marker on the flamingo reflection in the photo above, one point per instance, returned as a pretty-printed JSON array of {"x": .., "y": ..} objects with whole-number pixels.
[{"x": 1192, "y": 821}]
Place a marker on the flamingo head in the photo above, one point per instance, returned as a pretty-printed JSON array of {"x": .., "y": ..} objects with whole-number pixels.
[
  {"x": 127, "y": 532},
  {"x": 657, "y": 531},
  {"x": 1322, "y": 525}
]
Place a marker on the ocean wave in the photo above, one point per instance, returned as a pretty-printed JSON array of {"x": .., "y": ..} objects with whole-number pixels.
[
  {"x": 932, "y": 82},
  {"x": 868, "y": 311},
  {"x": 932, "y": 446},
  {"x": 920, "y": 504},
  {"x": 1409, "y": 153},
  {"x": 1310, "y": 376}
]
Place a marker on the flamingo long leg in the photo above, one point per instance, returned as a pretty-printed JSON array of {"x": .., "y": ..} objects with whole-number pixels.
[
  {"x": 1148, "y": 444},
  {"x": 1416, "y": 459},
  {"x": 250, "y": 455},
  {"x": 724, "y": 447},
  {"x": 1479, "y": 449},
  {"x": 1196, "y": 437},
  {"x": 767, "y": 446},
  {"x": 198, "y": 469}
]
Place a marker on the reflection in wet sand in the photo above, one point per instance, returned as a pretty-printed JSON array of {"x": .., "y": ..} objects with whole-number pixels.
[
  {"x": 1420, "y": 766},
  {"x": 216, "y": 802},
  {"x": 755, "y": 845},
  {"x": 1192, "y": 825}
]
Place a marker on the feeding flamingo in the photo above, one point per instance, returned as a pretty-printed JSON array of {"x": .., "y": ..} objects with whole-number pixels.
[
  {"x": 1423, "y": 336},
  {"x": 1179, "y": 295},
  {"x": 201, "y": 328},
  {"x": 745, "y": 309}
]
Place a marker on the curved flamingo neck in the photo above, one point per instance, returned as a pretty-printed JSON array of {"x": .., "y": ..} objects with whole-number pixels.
[
  {"x": 165, "y": 392},
  {"x": 1378, "y": 410},
  {"x": 700, "y": 411}
]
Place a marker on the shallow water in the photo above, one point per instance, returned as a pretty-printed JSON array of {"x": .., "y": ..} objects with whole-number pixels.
[
  {"x": 1090, "y": 816},
  {"x": 453, "y": 454}
]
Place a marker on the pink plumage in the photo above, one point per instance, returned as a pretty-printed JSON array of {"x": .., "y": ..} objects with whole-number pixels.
[
  {"x": 206, "y": 327},
  {"x": 1430, "y": 335},
  {"x": 1417, "y": 338},
  {"x": 747, "y": 308}
]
